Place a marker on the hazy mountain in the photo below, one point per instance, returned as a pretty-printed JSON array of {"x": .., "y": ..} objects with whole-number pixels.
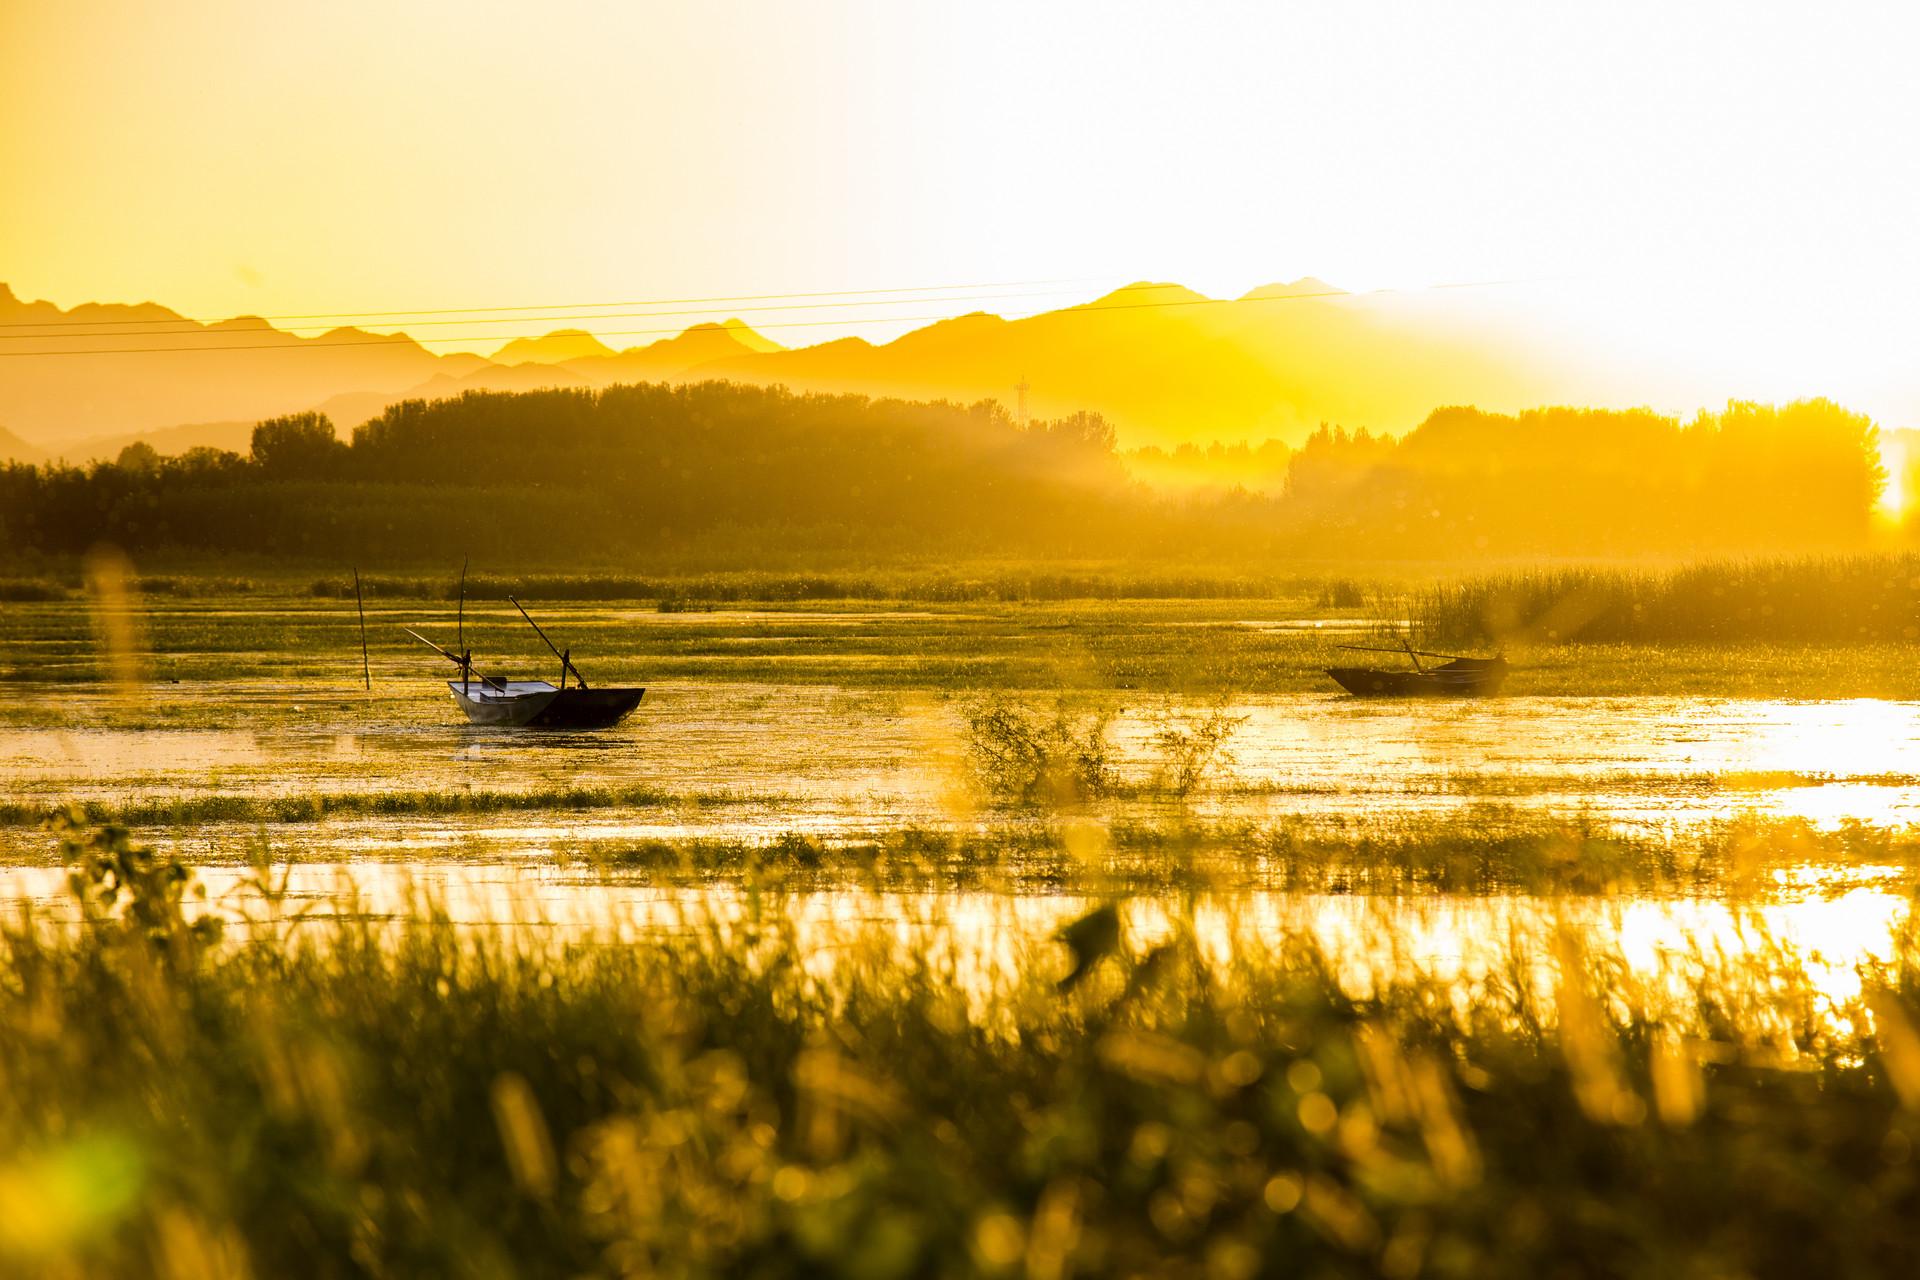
[
  {"x": 1167, "y": 364},
  {"x": 105, "y": 369},
  {"x": 668, "y": 358},
  {"x": 234, "y": 436},
  {"x": 14, "y": 449},
  {"x": 561, "y": 344},
  {"x": 1164, "y": 363}
]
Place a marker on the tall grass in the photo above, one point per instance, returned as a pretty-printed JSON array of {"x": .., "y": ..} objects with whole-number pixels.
[
  {"x": 1814, "y": 600},
  {"x": 1039, "y": 584},
  {"x": 353, "y": 1097},
  {"x": 191, "y": 810}
]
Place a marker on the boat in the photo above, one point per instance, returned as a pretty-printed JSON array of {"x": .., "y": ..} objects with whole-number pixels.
[
  {"x": 1454, "y": 677},
  {"x": 532, "y": 704},
  {"x": 540, "y": 704}
]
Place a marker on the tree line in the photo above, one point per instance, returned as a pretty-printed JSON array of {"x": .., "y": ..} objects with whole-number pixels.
[{"x": 604, "y": 474}]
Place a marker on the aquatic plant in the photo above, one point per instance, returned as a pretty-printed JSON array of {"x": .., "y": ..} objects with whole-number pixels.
[{"x": 1026, "y": 755}]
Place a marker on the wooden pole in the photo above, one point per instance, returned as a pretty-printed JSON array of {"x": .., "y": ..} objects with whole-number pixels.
[
  {"x": 566, "y": 660},
  {"x": 1407, "y": 644},
  {"x": 366, "y": 670},
  {"x": 456, "y": 660}
]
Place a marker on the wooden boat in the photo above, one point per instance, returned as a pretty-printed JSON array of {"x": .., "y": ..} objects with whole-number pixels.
[
  {"x": 1456, "y": 677},
  {"x": 539, "y": 704},
  {"x": 534, "y": 704}
]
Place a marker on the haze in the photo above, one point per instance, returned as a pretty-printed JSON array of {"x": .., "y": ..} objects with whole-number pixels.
[{"x": 1707, "y": 204}]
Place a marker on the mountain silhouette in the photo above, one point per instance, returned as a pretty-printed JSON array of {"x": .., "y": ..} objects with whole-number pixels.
[
  {"x": 667, "y": 359},
  {"x": 144, "y": 367},
  {"x": 1167, "y": 364},
  {"x": 561, "y": 344},
  {"x": 14, "y": 449},
  {"x": 1163, "y": 363}
]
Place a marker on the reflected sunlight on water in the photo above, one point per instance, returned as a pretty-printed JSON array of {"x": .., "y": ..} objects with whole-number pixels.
[
  {"x": 1664, "y": 945},
  {"x": 851, "y": 761}
]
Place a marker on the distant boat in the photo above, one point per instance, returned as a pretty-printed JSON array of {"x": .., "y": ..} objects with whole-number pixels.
[
  {"x": 534, "y": 704},
  {"x": 1456, "y": 677}
]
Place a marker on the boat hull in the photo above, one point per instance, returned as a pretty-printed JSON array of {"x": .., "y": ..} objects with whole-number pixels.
[
  {"x": 1462, "y": 678},
  {"x": 535, "y": 704}
]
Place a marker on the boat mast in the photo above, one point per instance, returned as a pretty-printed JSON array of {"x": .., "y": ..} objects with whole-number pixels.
[
  {"x": 455, "y": 659},
  {"x": 466, "y": 654},
  {"x": 566, "y": 658},
  {"x": 366, "y": 671}
]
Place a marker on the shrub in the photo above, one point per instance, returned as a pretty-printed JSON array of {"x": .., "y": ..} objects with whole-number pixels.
[{"x": 1029, "y": 756}]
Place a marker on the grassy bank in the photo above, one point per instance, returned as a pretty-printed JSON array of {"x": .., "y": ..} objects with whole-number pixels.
[{"x": 405, "y": 1098}]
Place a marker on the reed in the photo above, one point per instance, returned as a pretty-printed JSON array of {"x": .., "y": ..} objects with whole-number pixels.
[
  {"x": 191, "y": 810},
  {"x": 1830, "y": 600},
  {"x": 405, "y": 1097}
]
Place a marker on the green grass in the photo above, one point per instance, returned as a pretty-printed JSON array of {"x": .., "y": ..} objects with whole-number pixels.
[{"x": 359, "y": 1097}]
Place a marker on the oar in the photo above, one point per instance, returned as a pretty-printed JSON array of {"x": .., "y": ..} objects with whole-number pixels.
[
  {"x": 1368, "y": 648},
  {"x": 454, "y": 659},
  {"x": 1408, "y": 646},
  {"x": 566, "y": 661}
]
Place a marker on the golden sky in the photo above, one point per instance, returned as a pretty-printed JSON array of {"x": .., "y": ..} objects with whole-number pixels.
[{"x": 1722, "y": 194}]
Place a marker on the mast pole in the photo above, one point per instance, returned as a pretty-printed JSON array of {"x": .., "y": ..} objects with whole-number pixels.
[
  {"x": 366, "y": 670},
  {"x": 566, "y": 662}
]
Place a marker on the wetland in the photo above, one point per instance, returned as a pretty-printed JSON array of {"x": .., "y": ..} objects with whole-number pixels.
[{"x": 1229, "y": 963}]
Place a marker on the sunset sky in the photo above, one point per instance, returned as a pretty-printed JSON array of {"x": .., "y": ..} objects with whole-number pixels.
[{"x": 1720, "y": 198}]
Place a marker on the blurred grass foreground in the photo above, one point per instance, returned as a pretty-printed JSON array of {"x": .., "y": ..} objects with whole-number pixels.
[{"x": 403, "y": 1096}]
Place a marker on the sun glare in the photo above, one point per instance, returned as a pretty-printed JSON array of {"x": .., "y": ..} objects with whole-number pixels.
[
  {"x": 1234, "y": 639},
  {"x": 1896, "y": 494}
]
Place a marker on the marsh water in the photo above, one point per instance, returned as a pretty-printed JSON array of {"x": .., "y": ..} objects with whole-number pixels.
[
  {"x": 848, "y": 750},
  {"x": 761, "y": 759}
]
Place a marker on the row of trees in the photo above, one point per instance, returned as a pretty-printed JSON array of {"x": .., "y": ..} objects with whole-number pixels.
[
  {"x": 596, "y": 473},
  {"x": 1752, "y": 476},
  {"x": 574, "y": 473}
]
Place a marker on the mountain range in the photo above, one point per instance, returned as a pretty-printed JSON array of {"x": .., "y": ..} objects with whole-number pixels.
[{"x": 1163, "y": 363}]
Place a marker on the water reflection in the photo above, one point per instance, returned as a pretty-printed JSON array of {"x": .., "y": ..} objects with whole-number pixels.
[
  {"x": 1826, "y": 930},
  {"x": 850, "y": 762}
]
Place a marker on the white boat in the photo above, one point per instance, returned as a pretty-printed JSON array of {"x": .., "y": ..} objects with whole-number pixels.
[
  {"x": 514, "y": 704},
  {"x": 540, "y": 704}
]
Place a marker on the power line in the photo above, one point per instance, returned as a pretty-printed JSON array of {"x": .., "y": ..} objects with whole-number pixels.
[
  {"x": 1088, "y": 309},
  {"x": 561, "y": 306},
  {"x": 198, "y": 329}
]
